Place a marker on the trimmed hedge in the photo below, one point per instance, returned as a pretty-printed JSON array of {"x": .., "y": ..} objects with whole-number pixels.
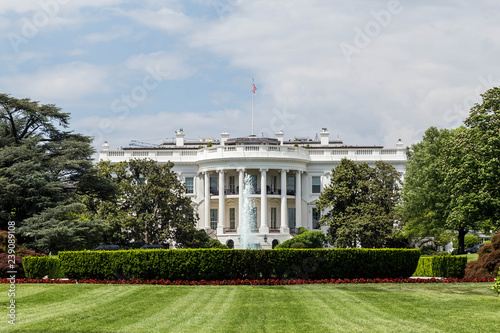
[
  {"x": 38, "y": 267},
  {"x": 441, "y": 266},
  {"x": 217, "y": 264}
]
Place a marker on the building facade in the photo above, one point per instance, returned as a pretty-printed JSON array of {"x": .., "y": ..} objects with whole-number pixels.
[{"x": 286, "y": 176}]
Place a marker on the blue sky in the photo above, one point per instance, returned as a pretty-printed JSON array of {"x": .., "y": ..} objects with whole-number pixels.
[{"x": 370, "y": 71}]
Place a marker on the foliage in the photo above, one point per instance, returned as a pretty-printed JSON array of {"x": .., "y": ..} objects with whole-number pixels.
[
  {"x": 302, "y": 230},
  {"x": 360, "y": 203},
  {"x": 63, "y": 228},
  {"x": 41, "y": 163},
  {"x": 150, "y": 205},
  {"x": 441, "y": 266},
  {"x": 39, "y": 267},
  {"x": 216, "y": 264},
  {"x": 488, "y": 262},
  {"x": 496, "y": 286},
  {"x": 473, "y": 169},
  {"x": 424, "y": 201},
  {"x": 216, "y": 244},
  {"x": 470, "y": 241},
  {"x": 10, "y": 263},
  {"x": 305, "y": 240}
]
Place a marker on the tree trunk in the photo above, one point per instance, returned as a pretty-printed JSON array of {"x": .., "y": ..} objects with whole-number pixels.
[{"x": 461, "y": 240}]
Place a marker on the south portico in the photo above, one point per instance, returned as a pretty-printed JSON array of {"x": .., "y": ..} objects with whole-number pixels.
[{"x": 276, "y": 193}]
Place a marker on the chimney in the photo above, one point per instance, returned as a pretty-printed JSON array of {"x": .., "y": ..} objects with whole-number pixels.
[
  {"x": 399, "y": 145},
  {"x": 179, "y": 138},
  {"x": 279, "y": 136},
  {"x": 324, "y": 134},
  {"x": 223, "y": 138}
]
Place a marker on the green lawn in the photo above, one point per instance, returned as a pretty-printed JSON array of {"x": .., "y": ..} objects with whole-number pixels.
[{"x": 466, "y": 307}]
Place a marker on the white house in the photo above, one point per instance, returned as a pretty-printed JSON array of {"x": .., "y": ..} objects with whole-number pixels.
[{"x": 287, "y": 176}]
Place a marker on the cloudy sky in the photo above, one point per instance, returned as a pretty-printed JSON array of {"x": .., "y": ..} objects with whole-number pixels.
[{"x": 370, "y": 71}]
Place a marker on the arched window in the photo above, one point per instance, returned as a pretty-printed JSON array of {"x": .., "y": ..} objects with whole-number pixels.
[
  {"x": 230, "y": 244},
  {"x": 275, "y": 242}
]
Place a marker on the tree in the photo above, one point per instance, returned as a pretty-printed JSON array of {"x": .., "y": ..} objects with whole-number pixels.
[
  {"x": 305, "y": 240},
  {"x": 424, "y": 206},
  {"x": 472, "y": 166},
  {"x": 64, "y": 227},
  {"x": 360, "y": 203},
  {"x": 41, "y": 163},
  {"x": 151, "y": 206}
]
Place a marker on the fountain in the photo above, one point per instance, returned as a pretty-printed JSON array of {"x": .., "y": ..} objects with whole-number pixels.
[{"x": 247, "y": 239}]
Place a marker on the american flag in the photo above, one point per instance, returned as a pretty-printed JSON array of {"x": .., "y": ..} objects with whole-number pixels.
[{"x": 254, "y": 88}]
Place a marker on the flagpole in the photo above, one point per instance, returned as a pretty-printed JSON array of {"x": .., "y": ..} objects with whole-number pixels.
[{"x": 253, "y": 93}]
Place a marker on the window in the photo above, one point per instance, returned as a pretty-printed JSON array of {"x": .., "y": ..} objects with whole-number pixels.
[
  {"x": 273, "y": 218},
  {"x": 316, "y": 184},
  {"x": 213, "y": 219},
  {"x": 230, "y": 244},
  {"x": 274, "y": 184},
  {"x": 253, "y": 181},
  {"x": 232, "y": 186},
  {"x": 213, "y": 185},
  {"x": 291, "y": 218},
  {"x": 232, "y": 218},
  {"x": 316, "y": 215},
  {"x": 189, "y": 185},
  {"x": 253, "y": 219},
  {"x": 290, "y": 187}
]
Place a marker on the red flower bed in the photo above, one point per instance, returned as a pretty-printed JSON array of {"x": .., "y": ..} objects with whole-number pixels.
[{"x": 263, "y": 282}]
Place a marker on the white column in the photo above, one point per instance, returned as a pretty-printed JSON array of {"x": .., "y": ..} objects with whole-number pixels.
[
  {"x": 241, "y": 186},
  {"x": 222, "y": 204},
  {"x": 284, "y": 209},
  {"x": 298, "y": 199},
  {"x": 264, "y": 228},
  {"x": 207, "y": 200}
]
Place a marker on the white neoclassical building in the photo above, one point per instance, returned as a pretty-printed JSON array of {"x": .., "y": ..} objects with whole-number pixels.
[{"x": 287, "y": 178}]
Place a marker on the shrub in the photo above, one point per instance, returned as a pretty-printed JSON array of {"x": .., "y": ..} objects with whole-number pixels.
[
  {"x": 38, "y": 267},
  {"x": 441, "y": 266},
  {"x": 470, "y": 241},
  {"x": 496, "y": 286},
  {"x": 488, "y": 261},
  {"x": 216, "y": 244},
  {"x": 302, "y": 230},
  {"x": 7, "y": 265},
  {"x": 216, "y": 264},
  {"x": 305, "y": 240}
]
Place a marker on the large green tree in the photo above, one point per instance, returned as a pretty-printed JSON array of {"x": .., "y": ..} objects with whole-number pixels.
[
  {"x": 42, "y": 163},
  {"x": 425, "y": 201},
  {"x": 472, "y": 166},
  {"x": 359, "y": 204},
  {"x": 151, "y": 205}
]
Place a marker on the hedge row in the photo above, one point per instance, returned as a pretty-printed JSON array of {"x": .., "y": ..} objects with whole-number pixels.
[
  {"x": 441, "y": 266},
  {"x": 38, "y": 267},
  {"x": 217, "y": 264}
]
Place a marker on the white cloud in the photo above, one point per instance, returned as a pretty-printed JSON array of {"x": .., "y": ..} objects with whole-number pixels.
[
  {"x": 112, "y": 34},
  {"x": 172, "y": 67},
  {"x": 419, "y": 63},
  {"x": 165, "y": 19},
  {"x": 55, "y": 83}
]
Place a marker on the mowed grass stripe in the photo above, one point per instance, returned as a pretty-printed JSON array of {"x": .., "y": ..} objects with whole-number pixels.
[
  {"x": 195, "y": 308},
  {"x": 306, "y": 308},
  {"x": 80, "y": 299}
]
